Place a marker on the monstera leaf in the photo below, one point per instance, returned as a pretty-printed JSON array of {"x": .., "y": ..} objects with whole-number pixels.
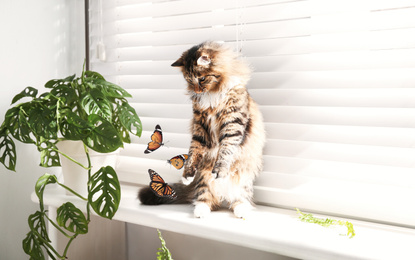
[
  {"x": 111, "y": 90},
  {"x": 16, "y": 123},
  {"x": 104, "y": 137},
  {"x": 32, "y": 246},
  {"x": 54, "y": 83},
  {"x": 105, "y": 194},
  {"x": 65, "y": 93},
  {"x": 72, "y": 126},
  {"x": 42, "y": 121},
  {"x": 72, "y": 219},
  {"x": 27, "y": 92},
  {"x": 41, "y": 184},
  {"x": 37, "y": 223},
  {"x": 49, "y": 157},
  {"x": 129, "y": 119},
  {"x": 8, "y": 157},
  {"x": 96, "y": 103}
]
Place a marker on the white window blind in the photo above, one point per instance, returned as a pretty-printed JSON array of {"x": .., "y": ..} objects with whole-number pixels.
[{"x": 335, "y": 80}]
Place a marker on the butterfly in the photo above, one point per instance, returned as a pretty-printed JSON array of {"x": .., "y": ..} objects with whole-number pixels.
[
  {"x": 156, "y": 140},
  {"x": 159, "y": 187},
  {"x": 178, "y": 161}
]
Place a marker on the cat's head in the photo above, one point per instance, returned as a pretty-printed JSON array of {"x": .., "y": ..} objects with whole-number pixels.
[{"x": 209, "y": 66}]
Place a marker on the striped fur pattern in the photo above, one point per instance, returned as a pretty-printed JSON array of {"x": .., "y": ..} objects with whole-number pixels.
[{"x": 228, "y": 135}]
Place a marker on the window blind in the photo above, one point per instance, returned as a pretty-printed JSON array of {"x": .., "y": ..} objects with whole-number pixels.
[{"x": 335, "y": 81}]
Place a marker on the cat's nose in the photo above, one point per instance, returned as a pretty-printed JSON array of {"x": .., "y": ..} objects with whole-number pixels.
[{"x": 198, "y": 89}]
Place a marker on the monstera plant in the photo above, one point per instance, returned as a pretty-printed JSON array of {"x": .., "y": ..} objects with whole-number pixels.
[{"x": 88, "y": 109}]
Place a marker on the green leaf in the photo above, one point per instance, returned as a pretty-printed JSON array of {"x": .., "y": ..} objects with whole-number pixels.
[
  {"x": 327, "y": 222},
  {"x": 42, "y": 121},
  {"x": 163, "y": 253},
  {"x": 72, "y": 127},
  {"x": 65, "y": 92},
  {"x": 41, "y": 184},
  {"x": 8, "y": 148},
  {"x": 16, "y": 123},
  {"x": 110, "y": 89},
  {"x": 48, "y": 155},
  {"x": 95, "y": 103},
  {"x": 105, "y": 194},
  {"x": 27, "y": 92},
  {"x": 72, "y": 219},
  {"x": 58, "y": 82},
  {"x": 129, "y": 119},
  {"x": 122, "y": 131},
  {"x": 37, "y": 223},
  {"x": 32, "y": 246},
  {"x": 103, "y": 138},
  {"x": 93, "y": 75}
]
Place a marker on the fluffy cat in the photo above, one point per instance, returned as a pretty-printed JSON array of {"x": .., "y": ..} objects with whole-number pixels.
[{"x": 227, "y": 130}]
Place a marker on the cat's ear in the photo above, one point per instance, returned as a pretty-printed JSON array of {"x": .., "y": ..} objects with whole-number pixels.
[
  {"x": 178, "y": 63},
  {"x": 203, "y": 60}
]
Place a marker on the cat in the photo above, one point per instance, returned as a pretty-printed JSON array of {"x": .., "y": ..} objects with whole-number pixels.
[{"x": 228, "y": 135}]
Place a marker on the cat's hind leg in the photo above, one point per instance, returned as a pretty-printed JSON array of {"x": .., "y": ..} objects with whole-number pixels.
[{"x": 204, "y": 200}]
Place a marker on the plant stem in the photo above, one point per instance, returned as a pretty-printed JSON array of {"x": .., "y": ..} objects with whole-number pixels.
[
  {"x": 48, "y": 245},
  {"x": 86, "y": 199},
  {"x": 73, "y": 160},
  {"x": 88, "y": 210},
  {"x": 72, "y": 191},
  {"x": 68, "y": 244},
  {"x": 58, "y": 228}
]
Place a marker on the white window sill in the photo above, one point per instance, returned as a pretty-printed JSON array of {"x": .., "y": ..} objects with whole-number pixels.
[{"x": 269, "y": 229}]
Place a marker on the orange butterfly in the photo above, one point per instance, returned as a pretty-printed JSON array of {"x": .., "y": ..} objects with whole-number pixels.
[
  {"x": 156, "y": 140},
  {"x": 178, "y": 161},
  {"x": 159, "y": 187}
]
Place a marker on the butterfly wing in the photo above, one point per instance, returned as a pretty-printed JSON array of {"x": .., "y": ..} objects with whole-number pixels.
[
  {"x": 159, "y": 187},
  {"x": 177, "y": 162},
  {"x": 156, "y": 140}
]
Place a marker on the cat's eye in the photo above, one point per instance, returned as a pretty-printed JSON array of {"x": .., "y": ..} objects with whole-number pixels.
[{"x": 202, "y": 79}]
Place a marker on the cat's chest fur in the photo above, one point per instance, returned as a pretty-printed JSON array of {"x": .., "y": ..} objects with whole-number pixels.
[{"x": 212, "y": 106}]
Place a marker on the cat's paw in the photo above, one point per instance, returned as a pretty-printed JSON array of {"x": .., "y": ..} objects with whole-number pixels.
[
  {"x": 219, "y": 171},
  {"x": 242, "y": 210},
  {"x": 189, "y": 172},
  {"x": 202, "y": 210},
  {"x": 187, "y": 180}
]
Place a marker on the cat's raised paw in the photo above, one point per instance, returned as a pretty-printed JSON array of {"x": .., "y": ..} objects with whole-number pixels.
[
  {"x": 219, "y": 171},
  {"x": 187, "y": 180},
  {"x": 201, "y": 210}
]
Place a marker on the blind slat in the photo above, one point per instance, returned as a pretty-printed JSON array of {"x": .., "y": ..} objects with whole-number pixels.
[
  {"x": 388, "y": 156},
  {"x": 349, "y": 171},
  {"x": 390, "y": 117}
]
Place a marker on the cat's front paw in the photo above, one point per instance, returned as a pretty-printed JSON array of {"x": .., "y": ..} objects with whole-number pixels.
[
  {"x": 188, "y": 180},
  {"x": 219, "y": 171},
  {"x": 242, "y": 210},
  {"x": 201, "y": 210},
  {"x": 189, "y": 172}
]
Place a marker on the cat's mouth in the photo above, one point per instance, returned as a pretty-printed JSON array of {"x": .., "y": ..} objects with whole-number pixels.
[{"x": 199, "y": 89}]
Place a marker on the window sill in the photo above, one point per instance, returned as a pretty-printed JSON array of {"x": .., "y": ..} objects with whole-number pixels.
[{"x": 269, "y": 229}]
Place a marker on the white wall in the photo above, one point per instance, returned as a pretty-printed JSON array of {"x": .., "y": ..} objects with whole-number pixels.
[{"x": 40, "y": 40}]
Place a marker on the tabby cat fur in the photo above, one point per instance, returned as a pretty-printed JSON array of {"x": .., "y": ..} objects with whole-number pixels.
[{"x": 227, "y": 130}]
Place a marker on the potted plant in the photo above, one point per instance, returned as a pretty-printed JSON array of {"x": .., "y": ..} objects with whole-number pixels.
[{"x": 88, "y": 109}]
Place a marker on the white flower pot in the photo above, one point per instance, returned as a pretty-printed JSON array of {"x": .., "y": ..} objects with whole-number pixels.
[{"x": 76, "y": 177}]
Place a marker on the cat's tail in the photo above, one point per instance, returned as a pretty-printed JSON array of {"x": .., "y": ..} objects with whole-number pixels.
[{"x": 184, "y": 195}]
